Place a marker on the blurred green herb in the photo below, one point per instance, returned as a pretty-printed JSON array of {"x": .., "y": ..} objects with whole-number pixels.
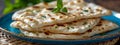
[
  {"x": 60, "y": 7},
  {"x": 18, "y": 4},
  {"x": 85, "y": 10}
]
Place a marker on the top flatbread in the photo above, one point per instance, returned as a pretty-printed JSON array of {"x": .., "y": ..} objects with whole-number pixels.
[
  {"x": 79, "y": 26},
  {"x": 37, "y": 16}
]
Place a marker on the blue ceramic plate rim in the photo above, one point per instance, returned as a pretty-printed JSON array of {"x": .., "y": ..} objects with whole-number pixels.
[{"x": 47, "y": 41}]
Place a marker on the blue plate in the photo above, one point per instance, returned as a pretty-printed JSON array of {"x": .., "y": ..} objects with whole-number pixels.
[{"x": 6, "y": 20}]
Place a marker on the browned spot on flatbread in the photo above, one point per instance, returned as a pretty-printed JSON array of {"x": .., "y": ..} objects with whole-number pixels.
[
  {"x": 36, "y": 7},
  {"x": 60, "y": 25},
  {"x": 49, "y": 15},
  {"x": 90, "y": 30},
  {"x": 47, "y": 32},
  {"x": 46, "y": 4},
  {"x": 61, "y": 16},
  {"x": 102, "y": 28},
  {"x": 31, "y": 19},
  {"x": 52, "y": 18},
  {"x": 79, "y": 1},
  {"x": 63, "y": 13},
  {"x": 50, "y": 8}
]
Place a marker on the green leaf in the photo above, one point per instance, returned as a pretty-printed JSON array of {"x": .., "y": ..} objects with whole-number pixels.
[
  {"x": 60, "y": 7},
  {"x": 7, "y": 10},
  {"x": 17, "y": 1},
  {"x": 59, "y": 4},
  {"x": 47, "y": 0},
  {"x": 9, "y": 6},
  {"x": 8, "y": 3},
  {"x": 56, "y": 10},
  {"x": 20, "y": 4},
  {"x": 64, "y": 9}
]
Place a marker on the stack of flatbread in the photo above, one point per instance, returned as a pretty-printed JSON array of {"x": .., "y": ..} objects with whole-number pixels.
[{"x": 81, "y": 21}]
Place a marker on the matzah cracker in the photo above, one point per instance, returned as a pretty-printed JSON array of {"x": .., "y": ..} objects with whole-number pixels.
[
  {"x": 103, "y": 26},
  {"x": 79, "y": 26},
  {"x": 37, "y": 17}
]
